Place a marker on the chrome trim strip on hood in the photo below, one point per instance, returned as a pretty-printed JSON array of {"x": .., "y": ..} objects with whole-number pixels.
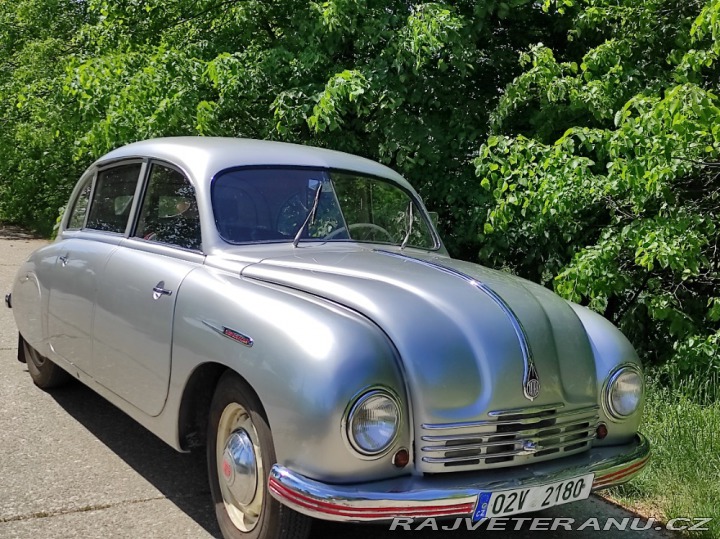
[{"x": 531, "y": 383}]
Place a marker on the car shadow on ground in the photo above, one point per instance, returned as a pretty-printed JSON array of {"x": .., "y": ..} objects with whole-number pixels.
[{"x": 180, "y": 477}]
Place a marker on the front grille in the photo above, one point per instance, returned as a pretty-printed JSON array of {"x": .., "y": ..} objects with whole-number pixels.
[{"x": 508, "y": 438}]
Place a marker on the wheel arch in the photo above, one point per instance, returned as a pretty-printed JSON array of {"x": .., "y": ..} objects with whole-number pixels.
[
  {"x": 195, "y": 403},
  {"x": 196, "y": 399}
]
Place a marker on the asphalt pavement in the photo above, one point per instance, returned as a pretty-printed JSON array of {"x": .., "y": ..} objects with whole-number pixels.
[{"x": 73, "y": 465}]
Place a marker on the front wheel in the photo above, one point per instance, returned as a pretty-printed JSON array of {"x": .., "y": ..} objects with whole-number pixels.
[{"x": 240, "y": 453}]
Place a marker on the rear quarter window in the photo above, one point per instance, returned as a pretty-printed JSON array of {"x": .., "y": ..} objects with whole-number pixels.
[{"x": 79, "y": 210}]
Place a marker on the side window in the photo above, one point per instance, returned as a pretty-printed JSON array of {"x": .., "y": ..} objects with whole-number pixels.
[
  {"x": 111, "y": 203},
  {"x": 169, "y": 211},
  {"x": 79, "y": 210},
  {"x": 378, "y": 211}
]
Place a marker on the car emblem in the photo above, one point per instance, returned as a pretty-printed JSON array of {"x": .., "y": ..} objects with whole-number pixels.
[
  {"x": 532, "y": 384},
  {"x": 237, "y": 336},
  {"x": 529, "y": 447},
  {"x": 230, "y": 334}
]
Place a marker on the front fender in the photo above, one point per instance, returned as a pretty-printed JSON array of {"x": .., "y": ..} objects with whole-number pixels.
[
  {"x": 308, "y": 359},
  {"x": 610, "y": 348}
]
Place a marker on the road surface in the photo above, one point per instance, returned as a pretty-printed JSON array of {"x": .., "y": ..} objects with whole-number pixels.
[{"x": 72, "y": 465}]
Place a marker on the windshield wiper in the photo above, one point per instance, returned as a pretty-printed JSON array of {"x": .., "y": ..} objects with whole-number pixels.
[
  {"x": 310, "y": 216},
  {"x": 410, "y": 226}
]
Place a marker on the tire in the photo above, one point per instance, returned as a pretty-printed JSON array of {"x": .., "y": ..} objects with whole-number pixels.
[
  {"x": 44, "y": 373},
  {"x": 243, "y": 505}
]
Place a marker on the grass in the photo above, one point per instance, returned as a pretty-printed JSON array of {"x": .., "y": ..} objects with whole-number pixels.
[{"x": 683, "y": 477}]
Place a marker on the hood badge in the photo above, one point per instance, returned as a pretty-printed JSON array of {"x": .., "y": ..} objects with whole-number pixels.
[
  {"x": 529, "y": 447},
  {"x": 531, "y": 384},
  {"x": 230, "y": 334}
]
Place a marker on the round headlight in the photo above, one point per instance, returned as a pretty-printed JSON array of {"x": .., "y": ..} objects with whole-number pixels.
[
  {"x": 373, "y": 423},
  {"x": 624, "y": 392}
]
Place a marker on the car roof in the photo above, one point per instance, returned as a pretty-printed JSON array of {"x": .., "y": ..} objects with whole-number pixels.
[{"x": 204, "y": 157}]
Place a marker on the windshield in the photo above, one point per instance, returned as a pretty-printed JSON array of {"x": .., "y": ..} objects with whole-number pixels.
[{"x": 275, "y": 204}]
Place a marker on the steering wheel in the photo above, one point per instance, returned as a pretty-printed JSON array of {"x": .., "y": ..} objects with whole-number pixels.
[{"x": 355, "y": 226}]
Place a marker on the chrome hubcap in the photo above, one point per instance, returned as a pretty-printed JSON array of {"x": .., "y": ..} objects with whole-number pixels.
[{"x": 239, "y": 467}]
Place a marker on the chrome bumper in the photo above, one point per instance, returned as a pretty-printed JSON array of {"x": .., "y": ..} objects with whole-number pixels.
[{"x": 451, "y": 494}]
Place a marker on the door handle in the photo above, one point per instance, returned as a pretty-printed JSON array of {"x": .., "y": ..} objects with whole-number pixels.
[
  {"x": 160, "y": 290},
  {"x": 63, "y": 260}
]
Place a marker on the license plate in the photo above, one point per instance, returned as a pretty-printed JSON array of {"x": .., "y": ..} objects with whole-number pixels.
[{"x": 521, "y": 500}]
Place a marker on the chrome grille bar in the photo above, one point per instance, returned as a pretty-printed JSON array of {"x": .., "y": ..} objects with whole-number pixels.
[
  {"x": 528, "y": 410},
  {"x": 521, "y": 419},
  {"x": 467, "y": 447},
  {"x": 488, "y": 435}
]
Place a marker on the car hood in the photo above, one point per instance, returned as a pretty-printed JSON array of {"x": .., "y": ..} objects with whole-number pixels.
[{"x": 460, "y": 329}]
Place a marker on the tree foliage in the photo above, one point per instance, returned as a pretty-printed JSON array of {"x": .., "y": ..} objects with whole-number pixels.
[
  {"x": 36, "y": 131},
  {"x": 604, "y": 177}
]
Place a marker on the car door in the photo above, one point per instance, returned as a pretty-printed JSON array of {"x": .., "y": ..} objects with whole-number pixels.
[
  {"x": 71, "y": 268},
  {"x": 137, "y": 290}
]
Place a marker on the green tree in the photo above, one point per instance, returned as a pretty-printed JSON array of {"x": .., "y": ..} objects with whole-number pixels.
[
  {"x": 37, "y": 126},
  {"x": 603, "y": 177}
]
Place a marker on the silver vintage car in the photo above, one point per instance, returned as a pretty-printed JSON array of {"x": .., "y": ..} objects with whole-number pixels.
[{"x": 293, "y": 310}]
